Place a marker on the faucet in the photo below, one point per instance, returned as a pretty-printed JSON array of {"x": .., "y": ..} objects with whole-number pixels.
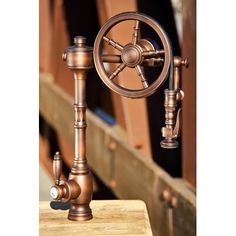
[
  {"x": 78, "y": 189},
  {"x": 140, "y": 52},
  {"x": 173, "y": 95}
]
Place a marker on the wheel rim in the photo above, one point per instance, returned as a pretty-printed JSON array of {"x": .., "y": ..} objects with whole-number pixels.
[{"x": 97, "y": 52}]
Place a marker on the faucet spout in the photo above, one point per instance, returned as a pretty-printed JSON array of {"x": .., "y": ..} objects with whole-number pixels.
[{"x": 172, "y": 95}]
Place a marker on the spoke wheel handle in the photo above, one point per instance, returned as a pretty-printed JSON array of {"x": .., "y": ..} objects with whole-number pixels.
[{"x": 132, "y": 54}]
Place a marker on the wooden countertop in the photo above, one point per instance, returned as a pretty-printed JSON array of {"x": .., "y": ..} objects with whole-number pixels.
[{"x": 110, "y": 217}]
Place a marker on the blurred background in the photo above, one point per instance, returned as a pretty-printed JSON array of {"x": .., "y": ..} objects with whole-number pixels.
[{"x": 137, "y": 122}]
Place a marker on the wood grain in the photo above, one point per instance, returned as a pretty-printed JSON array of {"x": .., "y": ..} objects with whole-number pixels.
[
  {"x": 110, "y": 217},
  {"x": 189, "y": 88}
]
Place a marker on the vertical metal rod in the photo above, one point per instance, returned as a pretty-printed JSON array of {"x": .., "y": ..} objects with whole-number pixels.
[
  {"x": 176, "y": 77},
  {"x": 80, "y": 117},
  {"x": 76, "y": 132},
  {"x": 171, "y": 69}
]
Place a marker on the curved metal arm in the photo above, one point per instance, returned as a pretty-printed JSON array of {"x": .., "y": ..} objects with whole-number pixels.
[{"x": 172, "y": 95}]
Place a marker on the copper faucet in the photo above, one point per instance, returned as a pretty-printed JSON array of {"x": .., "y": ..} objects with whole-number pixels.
[
  {"x": 78, "y": 189},
  {"x": 173, "y": 95},
  {"x": 138, "y": 53}
]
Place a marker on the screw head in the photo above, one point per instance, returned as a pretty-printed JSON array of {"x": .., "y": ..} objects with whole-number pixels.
[
  {"x": 166, "y": 196},
  {"x": 112, "y": 146}
]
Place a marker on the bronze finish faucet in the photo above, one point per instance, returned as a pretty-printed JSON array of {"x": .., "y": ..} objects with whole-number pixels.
[
  {"x": 172, "y": 129},
  {"x": 138, "y": 53},
  {"x": 78, "y": 189}
]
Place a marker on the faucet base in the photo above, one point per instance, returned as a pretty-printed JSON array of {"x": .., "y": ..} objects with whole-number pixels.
[
  {"x": 169, "y": 143},
  {"x": 80, "y": 212}
]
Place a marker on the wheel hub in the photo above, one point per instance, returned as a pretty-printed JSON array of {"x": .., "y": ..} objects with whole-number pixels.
[{"x": 131, "y": 55}]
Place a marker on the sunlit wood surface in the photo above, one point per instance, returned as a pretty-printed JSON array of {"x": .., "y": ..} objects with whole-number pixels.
[{"x": 110, "y": 217}]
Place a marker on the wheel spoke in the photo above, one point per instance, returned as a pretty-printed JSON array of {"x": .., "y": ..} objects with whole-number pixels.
[
  {"x": 153, "y": 62},
  {"x": 136, "y": 33},
  {"x": 117, "y": 71},
  {"x": 111, "y": 58},
  {"x": 113, "y": 43},
  {"x": 153, "y": 53},
  {"x": 142, "y": 76}
]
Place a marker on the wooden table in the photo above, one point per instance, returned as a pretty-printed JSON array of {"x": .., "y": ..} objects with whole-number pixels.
[{"x": 110, "y": 217}]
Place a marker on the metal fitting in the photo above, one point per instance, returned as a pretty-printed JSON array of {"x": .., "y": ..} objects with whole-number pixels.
[{"x": 169, "y": 198}]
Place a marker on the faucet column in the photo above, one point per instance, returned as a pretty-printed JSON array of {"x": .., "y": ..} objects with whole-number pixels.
[
  {"x": 172, "y": 119},
  {"x": 79, "y": 60}
]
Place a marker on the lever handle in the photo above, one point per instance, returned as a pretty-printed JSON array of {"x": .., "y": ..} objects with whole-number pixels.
[
  {"x": 171, "y": 134},
  {"x": 177, "y": 128},
  {"x": 57, "y": 205},
  {"x": 66, "y": 190},
  {"x": 57, "y": 167}
]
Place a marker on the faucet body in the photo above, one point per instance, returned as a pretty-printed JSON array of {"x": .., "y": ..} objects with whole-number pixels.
[
  {"x": 78, "y": 189},
  {"x": 173, "y": 95}
]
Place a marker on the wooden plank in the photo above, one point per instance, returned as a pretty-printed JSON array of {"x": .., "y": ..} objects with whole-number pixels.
[
  {"x": 45, "y": 36},
  {"x": 126, "y": 109},
  {"x": 189, "y": 88},
  {"x": 54, "y": 39},
  {"x": 122, "y": 167},
  {"x": 148, "y": 186},
  {"x": 43, "y": 155},
  {"x": 60, "y": 42},
  {"x": 110, "y": 217}
]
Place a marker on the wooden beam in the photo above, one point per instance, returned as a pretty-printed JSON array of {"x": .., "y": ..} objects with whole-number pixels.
[
  {"x": 44, "y": 154},
  {"x": 60, "y": 42},
  {"x": 54, "y": 39},
  {"x": 122, "y": 167},
  {"x": 45, "y": 36},
  {"x": 189, "y": 88}
]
